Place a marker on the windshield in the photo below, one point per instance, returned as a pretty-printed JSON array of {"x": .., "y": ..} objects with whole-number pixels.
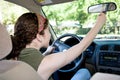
[{"x": 72, "y": 17}]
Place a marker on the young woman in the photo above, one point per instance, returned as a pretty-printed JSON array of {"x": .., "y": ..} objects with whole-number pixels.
[{"x": 32, "y": 33}]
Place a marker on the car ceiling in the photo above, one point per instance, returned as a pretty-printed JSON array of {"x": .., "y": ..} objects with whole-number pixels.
[{"x": 35, "y": 5}]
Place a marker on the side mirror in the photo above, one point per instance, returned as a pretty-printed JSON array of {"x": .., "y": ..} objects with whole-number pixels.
[{"x": 102, "y": 7}]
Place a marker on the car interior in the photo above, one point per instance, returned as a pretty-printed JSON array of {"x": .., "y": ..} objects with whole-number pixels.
[
  {"x": 101, "y": 58},
  {"x": 11, "y": 69}
]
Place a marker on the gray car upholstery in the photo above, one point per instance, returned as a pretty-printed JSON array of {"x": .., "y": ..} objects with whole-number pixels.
[
  {"x": 105, "y": 76},
  {"x": 12, "y": 69}
]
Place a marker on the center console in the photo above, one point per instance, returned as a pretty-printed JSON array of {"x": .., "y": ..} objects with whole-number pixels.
[{"x": 108, "y": 61}]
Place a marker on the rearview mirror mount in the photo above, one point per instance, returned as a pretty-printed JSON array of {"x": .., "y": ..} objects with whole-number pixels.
[{"x": 102, "y": 7}]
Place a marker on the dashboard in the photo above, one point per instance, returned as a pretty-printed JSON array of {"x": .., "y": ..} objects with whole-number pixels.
[
  {"x": 107, "y": 56},
  {"x": 103, "y": 54}
]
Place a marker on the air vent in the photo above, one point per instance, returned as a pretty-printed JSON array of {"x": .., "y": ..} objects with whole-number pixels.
[
  {"x": 117, "y": 48},
  {"x": 104, "y": 47}
]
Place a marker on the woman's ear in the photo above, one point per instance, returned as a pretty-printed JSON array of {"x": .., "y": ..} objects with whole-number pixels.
[{"x": 39, "y": 37}]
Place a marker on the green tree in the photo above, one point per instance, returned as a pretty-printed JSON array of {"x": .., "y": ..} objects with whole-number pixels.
[{"x": 10, "y": 12}]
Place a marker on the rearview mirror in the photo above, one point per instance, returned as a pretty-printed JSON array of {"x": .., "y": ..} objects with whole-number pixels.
[{"x": 102, "y": 7}]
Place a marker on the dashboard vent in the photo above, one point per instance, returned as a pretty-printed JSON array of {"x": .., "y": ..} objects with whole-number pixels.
[
  {"x": 117, "y": 48},
  {"x": 104, "y": 47}
]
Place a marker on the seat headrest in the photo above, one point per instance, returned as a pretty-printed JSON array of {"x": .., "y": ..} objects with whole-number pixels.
[{"x": 5, "y": 42}]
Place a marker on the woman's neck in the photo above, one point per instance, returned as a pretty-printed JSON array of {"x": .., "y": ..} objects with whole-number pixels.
[{"x": 34, "y": 44}]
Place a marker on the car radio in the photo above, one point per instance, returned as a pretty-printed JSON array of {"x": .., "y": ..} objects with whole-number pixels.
[{"x": 111, "y": 59}]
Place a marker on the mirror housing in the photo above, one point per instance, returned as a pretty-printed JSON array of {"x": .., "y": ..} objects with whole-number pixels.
[{"x": 102, "y": 7}]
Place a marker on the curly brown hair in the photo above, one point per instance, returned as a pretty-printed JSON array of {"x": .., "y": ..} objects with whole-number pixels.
[{"x": 25, "y": 30}]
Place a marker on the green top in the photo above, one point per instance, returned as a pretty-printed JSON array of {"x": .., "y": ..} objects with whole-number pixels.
[{"x": 31, "y": 56}]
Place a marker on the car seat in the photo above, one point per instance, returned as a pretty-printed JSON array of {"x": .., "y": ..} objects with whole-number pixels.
[
  {"x": 11, "y": 69},
  {"x": 105, "y": 76}
]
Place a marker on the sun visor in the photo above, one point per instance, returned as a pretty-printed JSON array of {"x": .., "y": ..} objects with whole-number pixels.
[
  {"x": 50, "y": 2},
  {"x": 35, "y": 5}
]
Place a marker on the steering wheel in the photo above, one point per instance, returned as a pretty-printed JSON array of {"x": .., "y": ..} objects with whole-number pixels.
[{"x": 60, "y": 46}]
